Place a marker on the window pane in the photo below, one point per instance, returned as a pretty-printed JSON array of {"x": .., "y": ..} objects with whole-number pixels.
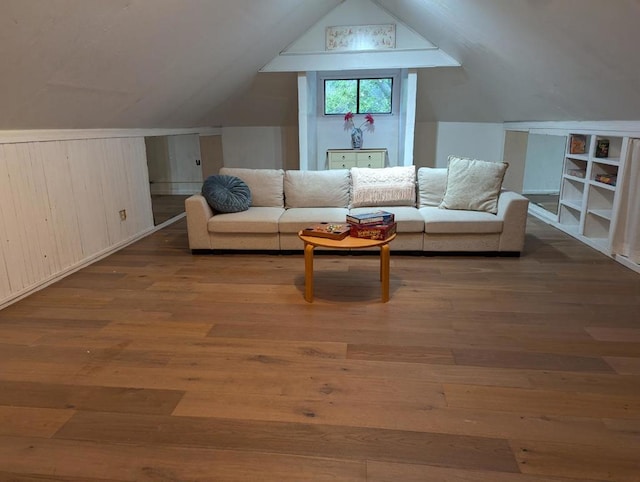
[
  {"x": 375, "y": 96},
  {"x": 340, "y": 96}
]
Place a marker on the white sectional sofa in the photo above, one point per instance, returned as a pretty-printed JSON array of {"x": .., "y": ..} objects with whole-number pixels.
[{"x": 284, "y": 202}]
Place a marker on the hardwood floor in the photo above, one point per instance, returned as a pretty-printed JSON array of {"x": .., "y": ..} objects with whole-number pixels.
[
  {"x": 166, "y": 206},
  {"x": 154, "y": 364}
]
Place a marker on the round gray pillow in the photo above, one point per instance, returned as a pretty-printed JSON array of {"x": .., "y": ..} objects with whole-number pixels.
[{"x": 226, "y": 194}]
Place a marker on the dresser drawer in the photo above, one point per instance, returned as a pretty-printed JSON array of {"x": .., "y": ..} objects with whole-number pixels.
[
  {"x": 342, "y": 156},
  {"x": 348, "y": 158},
  {"x": 341, "y": 164},
  {"x": 370, "y": 159}
]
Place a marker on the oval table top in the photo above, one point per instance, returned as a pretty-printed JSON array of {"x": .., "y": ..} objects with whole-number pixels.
[{"x": 349, "y": 242}]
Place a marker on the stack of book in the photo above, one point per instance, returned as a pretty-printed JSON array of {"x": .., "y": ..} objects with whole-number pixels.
[{"x": 378, "y": 225}]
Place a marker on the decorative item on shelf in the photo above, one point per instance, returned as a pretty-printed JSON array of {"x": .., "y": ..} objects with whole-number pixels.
[
  {"x": 609, "y": 179},
  {"x": 581, "y": 173},
  {"x": 356, "y": 132},
  {"x": 602, "y": 148},
  {"x": 578, "y": 144}
]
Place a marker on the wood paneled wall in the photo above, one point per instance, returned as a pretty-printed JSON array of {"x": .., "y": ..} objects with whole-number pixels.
[{"x": 60, "y": 204}]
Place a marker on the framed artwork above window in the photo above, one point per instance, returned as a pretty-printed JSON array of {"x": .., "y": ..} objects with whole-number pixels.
[{"x": 361, "y": 37}]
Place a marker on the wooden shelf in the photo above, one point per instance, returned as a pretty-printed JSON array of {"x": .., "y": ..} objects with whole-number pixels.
[
  {"x": 589, "y": 206},
  {"x": 603, "y": 213}
]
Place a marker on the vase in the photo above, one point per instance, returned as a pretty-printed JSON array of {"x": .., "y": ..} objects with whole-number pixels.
[{"x": 356, "y": 138}]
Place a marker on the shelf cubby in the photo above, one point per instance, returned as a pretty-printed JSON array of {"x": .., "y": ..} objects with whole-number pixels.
[
  {"x": 575, "y": 168},
  {"x": 615, "y": 148},
  {"x": 572, "y": 190},
  {"x": 597, "y": 228},
  {"x": 569, "y": 215}
]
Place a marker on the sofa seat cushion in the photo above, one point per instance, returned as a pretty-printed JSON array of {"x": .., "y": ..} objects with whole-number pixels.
[
  {"x": 408, "y": 219},
  {"x": 266, "y": 185},
  {"x": 295, "y": 219},
  {"x": 254, "y": 220},
  {"x": 447, "y": 221},
  {"x": 317, "y": 189}
]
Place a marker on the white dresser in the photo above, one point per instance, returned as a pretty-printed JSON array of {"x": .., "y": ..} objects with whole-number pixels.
[{"x": 347, "y": 158}]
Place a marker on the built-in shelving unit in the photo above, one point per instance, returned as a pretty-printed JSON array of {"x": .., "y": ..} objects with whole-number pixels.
[
  {"x": 592, "y": 165},
  {"x": 592, "y": 205}
]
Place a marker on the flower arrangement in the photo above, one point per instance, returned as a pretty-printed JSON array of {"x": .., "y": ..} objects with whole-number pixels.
[{"x": 349, "y": 124}]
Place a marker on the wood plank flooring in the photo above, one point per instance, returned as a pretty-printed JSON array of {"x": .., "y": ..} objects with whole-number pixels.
[{"x": 157, "y": 365}]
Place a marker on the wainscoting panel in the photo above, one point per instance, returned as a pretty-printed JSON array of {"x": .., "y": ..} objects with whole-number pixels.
[{"x": 60, "y": 204}]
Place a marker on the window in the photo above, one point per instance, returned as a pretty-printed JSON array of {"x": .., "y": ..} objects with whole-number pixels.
[{"x": 360, "y": 96}]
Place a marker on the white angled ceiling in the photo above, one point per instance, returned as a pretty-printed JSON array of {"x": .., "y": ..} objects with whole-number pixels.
[{"x": 186, "y": 63}]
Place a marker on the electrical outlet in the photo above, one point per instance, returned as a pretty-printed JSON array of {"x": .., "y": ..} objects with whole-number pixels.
[{"x": 123, "y": 215}]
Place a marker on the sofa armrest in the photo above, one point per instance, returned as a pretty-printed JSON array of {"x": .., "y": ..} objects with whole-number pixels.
[
  {"x": 198, "y": 214},
  {"x": 512, "y": 210}
]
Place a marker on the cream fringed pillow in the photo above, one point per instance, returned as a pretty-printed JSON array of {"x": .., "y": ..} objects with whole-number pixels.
[
  {"x": 473, "y": 185},
  {"x": 389, "y": 186}
]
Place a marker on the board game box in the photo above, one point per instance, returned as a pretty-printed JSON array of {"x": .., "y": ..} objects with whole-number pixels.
[
  {"x": 609, "y": 179},
  {"x": 327, "y": 230},
  {"x": 373, "y": 231},
  {"x": 374, "y": 217},
  {"x": 578, "y": 144},
  {"x": 602, "y": 148}
]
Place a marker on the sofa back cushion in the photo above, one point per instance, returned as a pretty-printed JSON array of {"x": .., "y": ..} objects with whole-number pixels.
[
  {"x": 473, "y": 184},
  {"x": 389, "y": 186},
  {"x": 266, "y": 185},
  {"x": 432, "y": 183},
  {"x": 317, "y": 189}
]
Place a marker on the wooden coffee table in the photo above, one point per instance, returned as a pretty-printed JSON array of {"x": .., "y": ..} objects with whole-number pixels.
[{"x": 310, "y": 242}]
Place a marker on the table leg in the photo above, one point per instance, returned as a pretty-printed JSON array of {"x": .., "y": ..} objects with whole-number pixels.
[
  {"x": 308, "y": 272},
  {"x": 384, "y": 271}
]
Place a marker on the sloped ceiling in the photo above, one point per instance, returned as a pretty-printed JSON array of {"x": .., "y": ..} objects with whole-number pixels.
[{"x": 177, "y": 63}]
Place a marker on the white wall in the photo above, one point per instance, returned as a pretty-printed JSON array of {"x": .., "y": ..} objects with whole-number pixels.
[
  {"x": 543, "y": 165},
  {"x": 331, "y": 134},
  {"x": 515, "y": 153},
  {"x": 262, "y": 147},
  {"x": 60, "y": 203},
  {"x": 357, "y": 12},
  {"x": 253, "y": 147},
  {"x": 469, "y": 139},
  {"x": 174, "y": 164}
]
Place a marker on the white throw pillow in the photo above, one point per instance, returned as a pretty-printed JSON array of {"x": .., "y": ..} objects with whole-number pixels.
[
  {"x": 473, "y": 184},
  {"x": 266, "y": 185},
  {"x": 432, "y": 183},
  {"x": 389, "y": 186},
  {"x": 316, "y": 189}
]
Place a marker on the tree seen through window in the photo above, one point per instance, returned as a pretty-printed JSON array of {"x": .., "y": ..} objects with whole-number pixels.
[{"x": 360, "y": 96}]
